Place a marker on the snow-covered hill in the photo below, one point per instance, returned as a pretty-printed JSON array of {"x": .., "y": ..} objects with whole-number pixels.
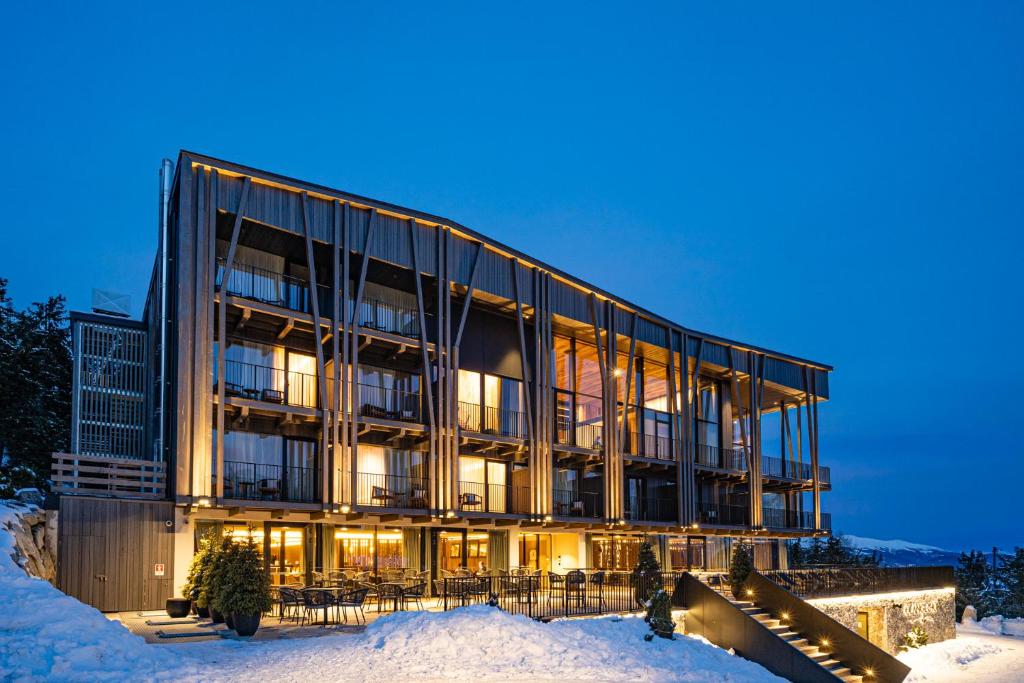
[{"x": 896, "y": 552}]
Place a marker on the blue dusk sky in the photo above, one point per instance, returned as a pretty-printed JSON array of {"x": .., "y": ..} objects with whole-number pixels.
[{"x": 838, "y": 181}]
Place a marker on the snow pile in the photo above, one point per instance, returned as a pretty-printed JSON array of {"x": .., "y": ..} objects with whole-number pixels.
[
  {"x": 479, "y": 643},
  {"x": 46, "y": 635},
  {"x": 974, "y": 655},
  {"x": 1000, "y": 625}
]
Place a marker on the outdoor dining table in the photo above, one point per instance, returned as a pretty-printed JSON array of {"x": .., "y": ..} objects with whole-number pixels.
[
  {"x": 394, "y": 591},
  {"x": 333, "y": 592}
]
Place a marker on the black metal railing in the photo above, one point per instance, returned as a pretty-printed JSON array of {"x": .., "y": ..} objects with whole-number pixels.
[
  {"x": 826, "y": 521},
  {"x": 571, "y": 433},
  {"x": 476, "y": 496},
  {"x": 392, "y": 491},
  {"x": 724, "y": 513},
  {"x": 270, "y": 287},
  {"x": 491, "y": 420},
  {"x": 656, "y": 509},
  {"x": 650, "y": 446},
  {"x": 271, "y": 385},
  {"x": 388, "y": 403},
  {"x": 781, "y": 518},
  {"x": 833, "y": 581},
  {"x": 824, "y": 474},
  {"x": 389, "y": 317},
  {"x": 781, "y": 468},
  {"x": 570, "y": 503},
  {"x": 257, "y": 481},
  {"x": 545, "y": 596},
  {"x": 721, "y": 458}
]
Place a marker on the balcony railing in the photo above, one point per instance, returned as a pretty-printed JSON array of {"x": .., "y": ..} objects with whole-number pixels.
[
  {"x": 389, "y": 317},
  {"x": 658, "y": 509},
  {"x": 256, "y": 481},
  {"x": 569, "y": 503},
  {"x": 392, "y": 491},
  {"x": 271, "y": 385},
  {"x": 780, "y": 518},
  {"x": 724, "y": 513},
  {"x": 571, "y": 433},
  {"x": 834, "y": 581},
  {"x": 824, "y": 474},
  {"x": 475, "y": 496},
  {"x": 491, "y": 420},
  {"x": 650, "y": 446},
  {"x": 388, "y": 404},
  {"x": 780, "y": 468},
  {"x": 721, "y": 458},
  {"x": 270, "y": 287}
]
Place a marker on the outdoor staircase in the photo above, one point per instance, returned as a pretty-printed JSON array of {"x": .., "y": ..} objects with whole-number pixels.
[{"x": 797, "y": 640}]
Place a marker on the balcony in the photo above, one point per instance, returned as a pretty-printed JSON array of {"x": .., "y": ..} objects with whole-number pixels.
[
  {"x": 392, "y": 491},
  {"x": 477, "y": 496},
  {"x": 388, "y": 404},
  {"x": 269, "y": 287},
  {"x": 491, "y": 420},
  {"x": 268, "y": 384},
  {"x": 570, "y": 503},
  {"x": 721, "y": 458},
  {"x": 656, "y": 509},
  {"x": 724, "y": 513},
  {"x": 780, "y": 518},
  {"x": 256, "y": 481},
  {"x": 649, "y": 446},
  {"x": 568, "y": 432},
  {"x": 389, "y": 317}
]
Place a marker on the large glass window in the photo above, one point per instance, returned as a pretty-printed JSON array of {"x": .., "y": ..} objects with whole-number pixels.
[
  {"x": 535, "y": 551},
  {"x": 269, "y": 467},
  {"x": 462, "y": 550},
  {"x": 617, "y": 553},
  {"x": 491, "y": 404},
  {"x": 369, "y": 549},
  {"x": 391, "y": 477}
]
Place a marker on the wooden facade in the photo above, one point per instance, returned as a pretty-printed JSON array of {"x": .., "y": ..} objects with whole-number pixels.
[{"x": 477, "y": 305}]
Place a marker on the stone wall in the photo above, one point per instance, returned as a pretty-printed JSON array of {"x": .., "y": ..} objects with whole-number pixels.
[
  {"x": 892, "y": 615},
  {"x": 34, "y": 532}
]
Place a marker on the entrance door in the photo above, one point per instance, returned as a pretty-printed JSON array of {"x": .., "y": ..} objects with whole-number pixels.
[
  {"x": 863, "y": 628},
  {"x": 535, "y": 551}
]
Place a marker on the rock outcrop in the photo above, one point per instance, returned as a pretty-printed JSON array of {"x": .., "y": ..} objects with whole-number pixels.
[{"x": 34, "y": 532}]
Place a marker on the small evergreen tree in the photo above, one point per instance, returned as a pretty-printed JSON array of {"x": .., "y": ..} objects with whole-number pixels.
[
  {"x": 659, "y": 616},
  {"x": 740, "y": 566},
  {"x": 1011, "y": 576},
  {"x": 971, "y": 574},
  {"x": 195, "y": 584},
  {"x": 246, "y": 586},
  {"x": 647, "y": 573},
  {"x": 216, "y": 577},
  {"x": 917, "y": 637}
]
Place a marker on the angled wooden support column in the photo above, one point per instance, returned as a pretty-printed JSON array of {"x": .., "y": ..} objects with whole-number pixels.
[
  {"x": 371, "y": 223},
  {"x": 222, "y": 335},
  {"x": 605, "y": 421},
  {"x": 321, "y": 373},
  {"x": 335, "y": 455},
  {"x": 520, "y": 327},
  {"x": 425, "y": 359},
  {"x": 629, "y": 384}
]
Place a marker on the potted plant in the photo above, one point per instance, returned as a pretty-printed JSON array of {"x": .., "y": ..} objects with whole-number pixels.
[
  {"x": 646, "y": 574},
  {"x": 195, "y": 584},
  {"x": 246, "y": 591},
  {"x": 215, "y": 578},
  {"x": 739, "y": 569}
]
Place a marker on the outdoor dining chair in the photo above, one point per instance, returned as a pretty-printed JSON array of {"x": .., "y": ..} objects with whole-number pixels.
[
  {"x": 313, "y": 601},
  {"x": 414, "y": 594},
  {"x": 355, "y": 600},
  {"x": 597, "y": 580},
  {"x": 291, "y": 603}
]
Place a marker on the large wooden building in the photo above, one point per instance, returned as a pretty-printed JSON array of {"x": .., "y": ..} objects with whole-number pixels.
[{"x": 357, "y": 384}]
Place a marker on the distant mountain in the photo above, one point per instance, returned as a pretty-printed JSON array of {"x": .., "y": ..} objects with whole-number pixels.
[{"x": 903, "y": 553}]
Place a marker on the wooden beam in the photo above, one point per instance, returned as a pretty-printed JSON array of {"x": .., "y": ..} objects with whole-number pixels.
[
  {"x": 469, "y": 295},
  {"x": 289, "y": 326}
]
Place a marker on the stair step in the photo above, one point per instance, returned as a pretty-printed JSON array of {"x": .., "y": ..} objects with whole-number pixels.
[{"x": 842, "y": 671}]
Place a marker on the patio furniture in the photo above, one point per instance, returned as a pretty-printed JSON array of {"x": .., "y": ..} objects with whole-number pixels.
[
  {"x": 231, "y": 389},
  {"x": 414, "y": 594},
  {"x": 316, "y": 599},
  {"x": 393, "y": 575},
  {"x": 470, "y": 500},
  {"x": 556, "y": 586},
  {"x": 576, "y": 587},
  {"x": 272, "y": 396},
  {"x": 418, "y": 498},
  {"x": 291, "y": 603},
  {"x": 597, "y": 581},
  {"x": 355, "y": 600},
  {"x": 390, "y": 591},
  {"x": 410, "y": 574},
  {"x": 379, "y": 495},
  {"x": 269, "y": 489},
  {"x": 446, "y": 574}
]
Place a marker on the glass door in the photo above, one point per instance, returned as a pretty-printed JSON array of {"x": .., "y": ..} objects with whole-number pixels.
[{"x": 287, "y": 557}]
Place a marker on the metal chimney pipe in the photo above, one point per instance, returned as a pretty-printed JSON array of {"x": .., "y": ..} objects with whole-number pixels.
[{"x": 166, "y": 176}]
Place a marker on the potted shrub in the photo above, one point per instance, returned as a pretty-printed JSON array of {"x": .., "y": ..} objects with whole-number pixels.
[
  {"x": 215, "y": 578},
  {"x": 739, "y": 569},
  {"x": 646, "y": 574},
  {"x": 246, "y": 591},
  {"x": 195, "y": 584}
]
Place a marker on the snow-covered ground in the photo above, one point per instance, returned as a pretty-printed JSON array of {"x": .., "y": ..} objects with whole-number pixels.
[{"x": 975, "y": 655}]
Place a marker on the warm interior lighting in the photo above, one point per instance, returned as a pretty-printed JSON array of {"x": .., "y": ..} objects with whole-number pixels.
[
  {"x": 450, "y": 514},
  {"x": 204, "y": 502},
  {"x": 345, "y": 509},
  {"x": 547, "y": 518}
]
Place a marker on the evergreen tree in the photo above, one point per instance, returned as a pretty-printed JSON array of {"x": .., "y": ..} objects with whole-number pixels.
[
  {"x": 246, "y": 586},
  {"x": 659, "y": 615},
  {"x": 647, "y": 573},
  {"x": 739, "y": 568},
  {"x": 35, "y": 390},
  {"x": 971, "y": 574},
  {"x": 1011, "y": 576}
]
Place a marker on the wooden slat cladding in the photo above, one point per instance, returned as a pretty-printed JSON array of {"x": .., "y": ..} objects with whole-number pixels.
[
  {"x": 109, "y": 550},
  {"x": 104, "y": 476}
]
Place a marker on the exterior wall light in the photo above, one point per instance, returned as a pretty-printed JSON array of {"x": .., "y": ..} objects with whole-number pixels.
[{"x": 345, "y": 509}]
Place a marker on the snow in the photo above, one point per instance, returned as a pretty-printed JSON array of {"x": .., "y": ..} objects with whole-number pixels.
[
  {"x": 864, "y": 543},
  {"x": 46, "y": 635},
  {"x": 974, "y": 655}
]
